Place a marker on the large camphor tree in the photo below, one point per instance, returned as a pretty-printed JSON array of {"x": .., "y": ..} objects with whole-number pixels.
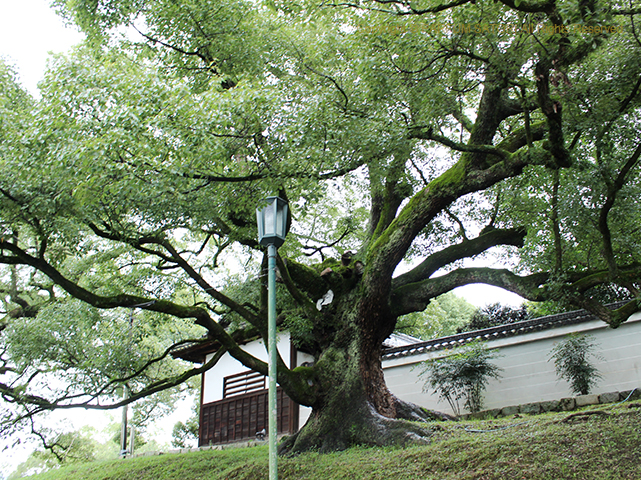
[{"x": 408, "y": 137}]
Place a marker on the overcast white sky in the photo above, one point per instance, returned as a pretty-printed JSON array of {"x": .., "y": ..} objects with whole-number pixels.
[{"x": 29, "y": 30}]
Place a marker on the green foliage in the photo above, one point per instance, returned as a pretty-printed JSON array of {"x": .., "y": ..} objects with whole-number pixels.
[
  {"x": 88, "y": 348},
  {"x": 493, "y": 316},
  {"x": 185, "y": 434},
  {"x": 543, "y": 309},
  {"x": 572, "y": 362},
  {"x": 443, "y": 316},
  {"x": 462, "y": 374},
  {"x": 69, "y": 448}
]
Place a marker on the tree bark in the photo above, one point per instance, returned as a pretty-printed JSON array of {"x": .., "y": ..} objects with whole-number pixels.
[{"x": 354, "y": 405}]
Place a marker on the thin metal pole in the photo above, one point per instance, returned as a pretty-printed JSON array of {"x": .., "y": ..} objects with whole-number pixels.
[
  {"x": 123, "y": 425},
  {"x": 273, "y": 355}
]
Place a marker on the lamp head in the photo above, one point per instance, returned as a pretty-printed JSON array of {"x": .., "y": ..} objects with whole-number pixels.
[{"x": 272, "y": 221}]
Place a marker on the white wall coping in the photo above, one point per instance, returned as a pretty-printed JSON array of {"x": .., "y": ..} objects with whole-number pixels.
[{"x": 522, "y": 338}]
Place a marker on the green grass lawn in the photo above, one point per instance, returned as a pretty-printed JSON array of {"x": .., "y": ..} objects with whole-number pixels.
[{"x": 605, "y": 445}]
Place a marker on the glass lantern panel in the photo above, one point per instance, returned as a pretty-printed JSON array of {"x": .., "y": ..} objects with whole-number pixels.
[
  {"x": 270, "y": 220},
  {"x": 281, "y": 219}
]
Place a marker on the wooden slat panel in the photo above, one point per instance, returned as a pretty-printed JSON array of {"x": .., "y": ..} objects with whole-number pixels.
[
  {"x": 243, "y": 383},
  {"x": 240, "y": 417}
]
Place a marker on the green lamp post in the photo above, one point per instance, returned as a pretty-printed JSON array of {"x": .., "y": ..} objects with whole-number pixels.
[{"x": 272, "y": 229}]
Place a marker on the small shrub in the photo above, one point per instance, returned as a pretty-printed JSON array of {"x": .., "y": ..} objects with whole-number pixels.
[
  {"x": 571, "y": 361},
  {"x": 463, "y": 374}
]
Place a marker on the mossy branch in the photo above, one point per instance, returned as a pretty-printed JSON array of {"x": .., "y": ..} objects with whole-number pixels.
[
  {"x": 427, "y": 133},
  {"x": 466, "y": 249},
  {"x": 293, "y": 290},
  {"x": 414, "y": 297}
]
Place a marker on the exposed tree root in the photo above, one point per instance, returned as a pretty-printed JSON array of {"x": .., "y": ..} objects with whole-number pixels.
[
  {"x": 364, "y": 426},
  {"x": 582, "y": 416},
  {"x": 410, "y": 411}
]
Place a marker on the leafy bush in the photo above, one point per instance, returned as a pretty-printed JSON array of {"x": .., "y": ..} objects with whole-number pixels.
[
  {"x": 442, "y": 316},
  {"x": 493, "y": 316},
  {"x": 463, "y": 374},
  {"x": 571, "y": 361}
]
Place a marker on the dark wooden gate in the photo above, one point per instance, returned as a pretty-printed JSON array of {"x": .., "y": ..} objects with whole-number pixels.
[{"x": 240, "y": 417}]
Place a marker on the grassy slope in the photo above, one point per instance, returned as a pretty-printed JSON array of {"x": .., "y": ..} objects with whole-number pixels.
[{"x": 552, "y": 446}]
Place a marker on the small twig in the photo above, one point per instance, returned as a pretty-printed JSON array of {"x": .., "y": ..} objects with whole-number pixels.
[{"x": 579, "y": 415}]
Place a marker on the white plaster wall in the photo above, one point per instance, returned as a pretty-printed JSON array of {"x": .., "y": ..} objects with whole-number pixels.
[
  {"x": 228, "y": 365},
  {"x": 528, "y": 376}
]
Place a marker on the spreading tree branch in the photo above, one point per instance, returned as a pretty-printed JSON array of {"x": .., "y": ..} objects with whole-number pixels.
[
  {"x": 427, "y": 133},
  {"x": 414, "y": 297},
  {"x": 613, "y": 190},
  {"x": 465, "y": 249},
  {"x": 294, "y": 291}
]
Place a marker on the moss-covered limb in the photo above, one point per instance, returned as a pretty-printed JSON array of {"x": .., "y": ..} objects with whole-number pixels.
[
  {"x": 466, "y": 249},
  {"x": 296, "y": 382},
  {"x": 414, "y": 297},
  {"x": 389, "y": 248},
  {"x": 460, "y": 179},
  {"x": 518, "y": 139},
  {"x": 293, "y": 382},
  {"x": 614, "y": 318},
  {"x": 494, "y": 107},
  {"x": 481, "y": 166},
  {"x": 307, "y": 279},
  {"x": 200, "y": 315},
  {"x": 623, "y": 313},
  {"x": 391, "y": 192},
  {"x": 293, "y": 290},
  {"x": 604, "y": 228},
  {"x": 530, "y": 6},
  {"x": 394, "y": 195},
  {"x": 553, "y": 111},
  {"x": 464, "y": 120},
  {"x": 427, "y": 133},
  {"x": 580, "y": 282},
  {"x": 376, "y": 193}
]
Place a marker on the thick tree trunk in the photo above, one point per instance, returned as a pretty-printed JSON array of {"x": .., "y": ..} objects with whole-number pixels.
[{"x": 355, "y": 406}]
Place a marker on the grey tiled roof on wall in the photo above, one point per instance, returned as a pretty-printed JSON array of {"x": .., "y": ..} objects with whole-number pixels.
[{"x": 492, "y": 333}]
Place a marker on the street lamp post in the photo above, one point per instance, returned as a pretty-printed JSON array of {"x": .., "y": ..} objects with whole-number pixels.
[{"x": 272, "y": 229}]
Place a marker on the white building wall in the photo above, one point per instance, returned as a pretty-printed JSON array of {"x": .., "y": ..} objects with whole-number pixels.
[
  {"x": 228, "y": 365},
  {"x": 212, "y": 384},
  {"x": 528, "y": 375}
]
